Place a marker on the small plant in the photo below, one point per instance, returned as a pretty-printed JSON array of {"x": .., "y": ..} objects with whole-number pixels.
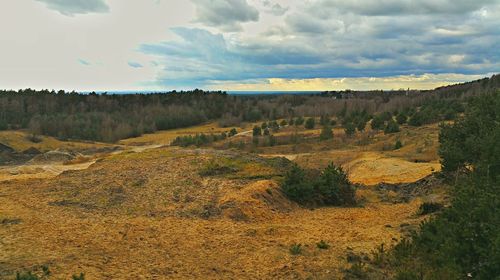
[
  {"x": 78, "y": 277},
  {"x": 296, "y": 249},
  {"x": 357, "y": 271},
  {"x": 26, "y": 276},
  {"x": 45, "y": 270},
  {"x": 398, "y": 145},
  {"x": 429, "y": 207},
  {"x": 323, "y": 245},
  {"x": 233, "y": 132},
  {"x": 379, "y": 256}
]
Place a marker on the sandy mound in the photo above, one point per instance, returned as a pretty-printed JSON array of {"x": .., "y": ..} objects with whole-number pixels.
[
  {"x": 373, "y": 168},
  {"x": 52, "y": 156},
  {"x": 255, "y": 202}
]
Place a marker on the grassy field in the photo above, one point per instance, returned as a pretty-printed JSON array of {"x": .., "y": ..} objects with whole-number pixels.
[{"x": 204, "y": 213}]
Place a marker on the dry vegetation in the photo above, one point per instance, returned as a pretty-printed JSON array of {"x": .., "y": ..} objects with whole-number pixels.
[{"x": 167, "y": 212}]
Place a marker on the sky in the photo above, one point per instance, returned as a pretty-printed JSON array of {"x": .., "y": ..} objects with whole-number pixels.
[{"x": 255, "y": 45}]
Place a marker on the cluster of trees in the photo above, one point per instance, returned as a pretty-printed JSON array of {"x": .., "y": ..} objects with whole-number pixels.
[
  {"x": 463, "y": 241},
  {"x": 201, "y": 139},
  {"x": 330, "y": 187}
]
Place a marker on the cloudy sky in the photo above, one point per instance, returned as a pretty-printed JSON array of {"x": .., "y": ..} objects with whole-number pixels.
[{"x": 246, "y": 44}]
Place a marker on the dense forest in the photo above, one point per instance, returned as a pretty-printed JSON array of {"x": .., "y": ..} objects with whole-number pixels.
[{"x": 108, "y": 118}]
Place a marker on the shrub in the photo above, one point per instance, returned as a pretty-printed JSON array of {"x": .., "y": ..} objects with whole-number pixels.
[
  {"x": 401, "y": 118},
  {"x": 418, "y": 119},
  {"x": 296, "y": 249},
  {"x": 349, "y": 129},
  {"x": 257, "y": 131},
  {"x": 331, "y": 187},
  {"x": 324, "y": 120},
  {"x": 429, "y": 207},
  {"x": 233, "y": 132},
  {"x": 299, "y": 121},
  {"x": 398, "y": 145},
  {"x": 360, "y": 125},
  {"x": 334, "y": 188},
  {"x": 391, "y": 127},
  {"x": 310, "y": 123},
  {"x": 266, "y": 131},
  {"x": 326, "y": 133},
  {"x": 322, "y": 245},
  {"x": 377, "y": 123},
  {"x": 263, "y": 125},
  {"x": 283, "y": 123},
  {"x": 295, "y": 186}
]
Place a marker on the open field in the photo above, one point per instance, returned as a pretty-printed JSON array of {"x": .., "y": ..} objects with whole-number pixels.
[{"x": 148, "y": 211}]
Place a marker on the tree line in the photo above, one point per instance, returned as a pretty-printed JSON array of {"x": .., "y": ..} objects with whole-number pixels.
[{"x": 111, "y": 117}]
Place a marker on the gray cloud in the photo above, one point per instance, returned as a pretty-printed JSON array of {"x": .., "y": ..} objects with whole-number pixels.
[
  {"x": 399, "y": 7},
  {"x": 134, "y": 64},
  {"x": 74, "y": 7},
  {"x": 275, "y": 9},
  {"x": 225, "y": 14}
]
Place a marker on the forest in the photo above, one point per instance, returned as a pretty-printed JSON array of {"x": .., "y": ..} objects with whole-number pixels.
[{"x": 111, "y": 117}]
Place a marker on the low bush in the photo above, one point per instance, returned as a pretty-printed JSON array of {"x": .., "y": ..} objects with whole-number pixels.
[
  {"x": 331, "y": 187},
  {"x": 429, "y": 207}
]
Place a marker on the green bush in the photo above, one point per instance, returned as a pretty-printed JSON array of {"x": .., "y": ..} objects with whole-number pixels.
[
  {"x": 401, "y": 118},
  {"x": 429, "y": 207},
  {"x": 377, "y": 123},
  {"x": 391, "y": 127},
  {"x": 233, "y": 132},
  {"x": 310, "y": 123},
  {"x": 398, "y": 145},
  {"x": 331, "y": 187},
  {"x": 299, "y": 121},
  {"x": 295, "y": 185},
  {"x": 326, "y": 133},
  {"x": 257, "y": 131},
  {"x": 349, "y": 129}
]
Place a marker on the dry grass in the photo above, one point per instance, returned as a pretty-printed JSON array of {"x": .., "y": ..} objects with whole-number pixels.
[
  {"x": 19, "y": 141},
  {"x": 148, "y": 213}
]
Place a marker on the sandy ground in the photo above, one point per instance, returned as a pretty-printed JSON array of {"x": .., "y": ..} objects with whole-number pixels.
[{"x": 145, "y": 213}]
